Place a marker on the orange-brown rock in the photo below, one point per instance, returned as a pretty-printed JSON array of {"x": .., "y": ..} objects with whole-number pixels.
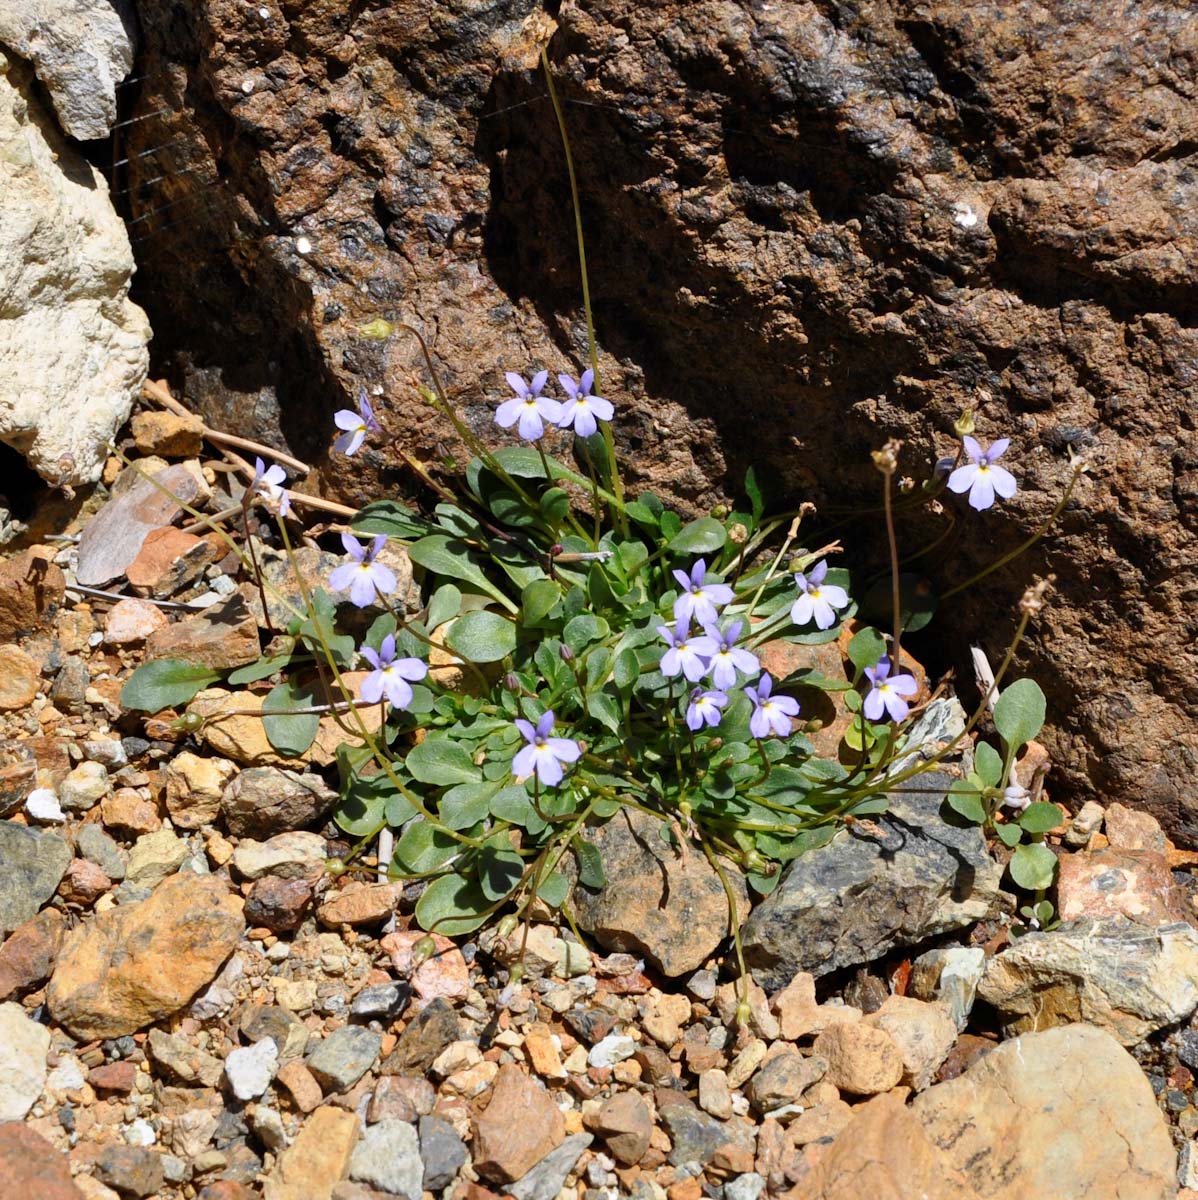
[
  {"x": 138, "y": 963},
  {"x": 519, "y": 1126}
]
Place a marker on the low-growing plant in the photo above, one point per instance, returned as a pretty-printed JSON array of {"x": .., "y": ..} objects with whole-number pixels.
[{"x": 577, "y": 652}]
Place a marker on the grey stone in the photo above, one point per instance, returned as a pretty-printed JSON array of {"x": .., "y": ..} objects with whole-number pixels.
[
  {"x": 745, "y": 1187},
  {"x": 443, "y": 1152},
  {"x": 783, "y": 1078},
  {"x": 695, "y": 1135},
  {"x": 341, "y": 1059},
  {"x": 288, "y": 1032},
  {"x": 907, "y": 876},
  {"x": 80, "y": 50},
  {"x": 424, "y": 1037},
  {"x": 24, "y": 1045},
  {"x": 263, "y": 801},
  {"x": 388, "y": 1157},
  {"x": 1126, "y": 978},
  {"x": 131, "y": 1170},
  {"x": 667, "y": 906},
  {"x": 34, "y": 862},
  {"x": 92, "y": 843},
  {"x": 950, "y": 975},
  {"x": 381, "y": 1000},
  {"x": 546, "y": 1179}
]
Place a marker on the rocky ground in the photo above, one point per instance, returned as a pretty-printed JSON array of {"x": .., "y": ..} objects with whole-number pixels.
[{"x": 192, "y": 1006}]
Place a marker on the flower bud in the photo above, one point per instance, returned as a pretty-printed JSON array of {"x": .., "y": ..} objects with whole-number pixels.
[
  {"x": 556, "y": 549},
  {"x": 738, "y": 534},
  {"x": 507, "y": 926},
  {"x": 743, "y": 1013},
  {"x": 335, "y": 867},
  {"x": 1016, "y": 797},
  {"x": 720, "y": 512},
  {"x": 716, "y": 743},
  {"x": 422, "y": 951},
  {"x": 753, "y": 861},
  {"x": 565, "y": 653},
  {"x": 886, "y": 459},
  {"x": 189, "y": 722},
  {"x": 377, "y": 330},
  {"x": 515, "y": 973},
  {"x": 963, "y": 425},
  {"x": 511, "y": 681}
]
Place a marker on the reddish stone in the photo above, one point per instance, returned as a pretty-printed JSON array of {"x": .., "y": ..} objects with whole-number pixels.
[
  {"x": 30, "y": 1167},
  {"x": 227, "y": 1189},
  {"x": 31, "y": 590},
  {"x": 27, "y": 957},
  {"x": 113, "y": 1077},
  {"x": 1136, "y": 884},
  {"x": 84, "y": 882},
  {"x": 279, "y": 905},
  {"x": 168, "y": 560},
  {"x": 968, "y": 1050}
]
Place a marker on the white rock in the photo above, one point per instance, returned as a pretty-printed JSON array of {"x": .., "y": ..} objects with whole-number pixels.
[
  {"x": 388, "y": 1157},
  {"x": 250, "y": 1069},
  {"x": 614, "y": 1048},
  {"x": 73, "y": 347},
  {"x": 42, "y": 805},
  {"x": 24, "y": 1045},
  {"x": 296, "y": 855},
  {"x": 80, "y": 50},
  {"x": 140, "y": 1133},
  {"x": 68, "y": 1076}
]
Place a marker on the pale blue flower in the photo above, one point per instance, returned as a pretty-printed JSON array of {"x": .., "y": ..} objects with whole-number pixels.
[
  {"x": 268, "y": 484},
  {"x": 544, "y": 755},
  {"x": 726, "y": 656},
  {"x": 771, "y": 714},
  {"x": 887, "y": 692},
  {"x": 356, "y": 426},
  {"x": 582, "y": 410},
  {"x": 698, "y": 599},
  {"x": 528, "y": 406},
  {"x": 704, "y": 709},
  {"x": 391, "y": 676},
  {"x": 682, "y": 658},
  {"x": 363, "y": 578},
  {"x": 818, "y": 600},
  {"x": 980, "y": 477}
]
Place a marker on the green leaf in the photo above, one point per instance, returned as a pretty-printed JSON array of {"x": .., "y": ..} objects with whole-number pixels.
[
  {"x": 538, "y": 600},
  {"x": 1033, "y": 866},
  {"x": 422, "y": 848},
  {"x": 642, "y": 514},
  {"x": 290, "y": 733},
  {"x": 165, "y": 683},
  {"x": 368, "y": 803},
  {"x": 382, "y": 626},
  {"x": 452, "y": 906},
  {"x": 1019, "y": 712},
  {"x": 1040, "y": 817},
  {"x": 392, "y": 518},
  {"x": 553, "y": 890},
  {"x": 445, "y": 604},
  {"x": 513, "y": 804},
  {"x": 703, "y": 536},
  {"x": 555, "y": 503},
  {"x": 626, "y": 670},
  {"x": 580, "y": 631},
  {"x": 454, "y": 559},
  {"x": 499, "y": 872},
  {"x": 466, "y": 804},
  {"x": 1009, "y": 834},
  {"x": 866, "y": 648},
  {"x": 988, "y": 764},
  {"x": 753, "y": 491},
  {"x": 438, "y": 760},
  {"x": 605, "y": 709},
  {"x": 964, "y": 800},
  {"x": 264, "y": 668},
  {"x": 590, "y": 864},
  {"x": 481, "y": 637}
]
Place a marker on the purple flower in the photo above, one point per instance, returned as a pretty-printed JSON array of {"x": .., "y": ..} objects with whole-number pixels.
[
  {"x": 819, "y": 600},
  {"x": 544, "y": 755},
  {"x": 726, "y": 657},
  {"x": 980, "y": 477},
  {"x": 528, "y": 406},
  {"x": 682, "y": 657},
  {"x": 267, "y": 483},
  {"x": 355, "y": 424},
  {"x": 1016, "y": 797},
  {"x": 704, "y": 709},
  {"x": 363, "y": 578},
  {"x": 390, "y": 675},
  {"x": 583, "y": 410},
  {"x": 698, "y": 599},
  {"x": 887, "y": 692},
  {"x": 771, "y": 714}
]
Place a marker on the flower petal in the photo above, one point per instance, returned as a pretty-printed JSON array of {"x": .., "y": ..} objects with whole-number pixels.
[
  {"x": 508, "y": 413},
  {"x": 344, "y": 419},
  {"x": 524, "y": 762},
  {"x": 371, "y": 690},
  {"x": 603, "y": 409},
  {"x": 997, "y": 449},
  {"x": 565, "y": 749},
  {"x": 527, "y": 732},
  {"x": 538, "y": 382},
  {"x": 961, "y": 480},
  {"x": 516, "y": 383},
  {"x": 549, "y": 770},
  {"x": 973, "y": 448},
  {"x": 873, "y": 705},
  {"x": 981, "y": 494},
  {"x": 353, "y": 547},
  {"x": 399, "y": 691},
  {"x": 545, "y": 724},
  {"x": 1004, "y": 482},
  {"x": 587, "y": 381}
]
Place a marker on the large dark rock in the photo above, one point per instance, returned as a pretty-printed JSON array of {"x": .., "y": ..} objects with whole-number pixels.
[
  {"x": 811, "y": 225},
  {"x": 896, "y": 881}
]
